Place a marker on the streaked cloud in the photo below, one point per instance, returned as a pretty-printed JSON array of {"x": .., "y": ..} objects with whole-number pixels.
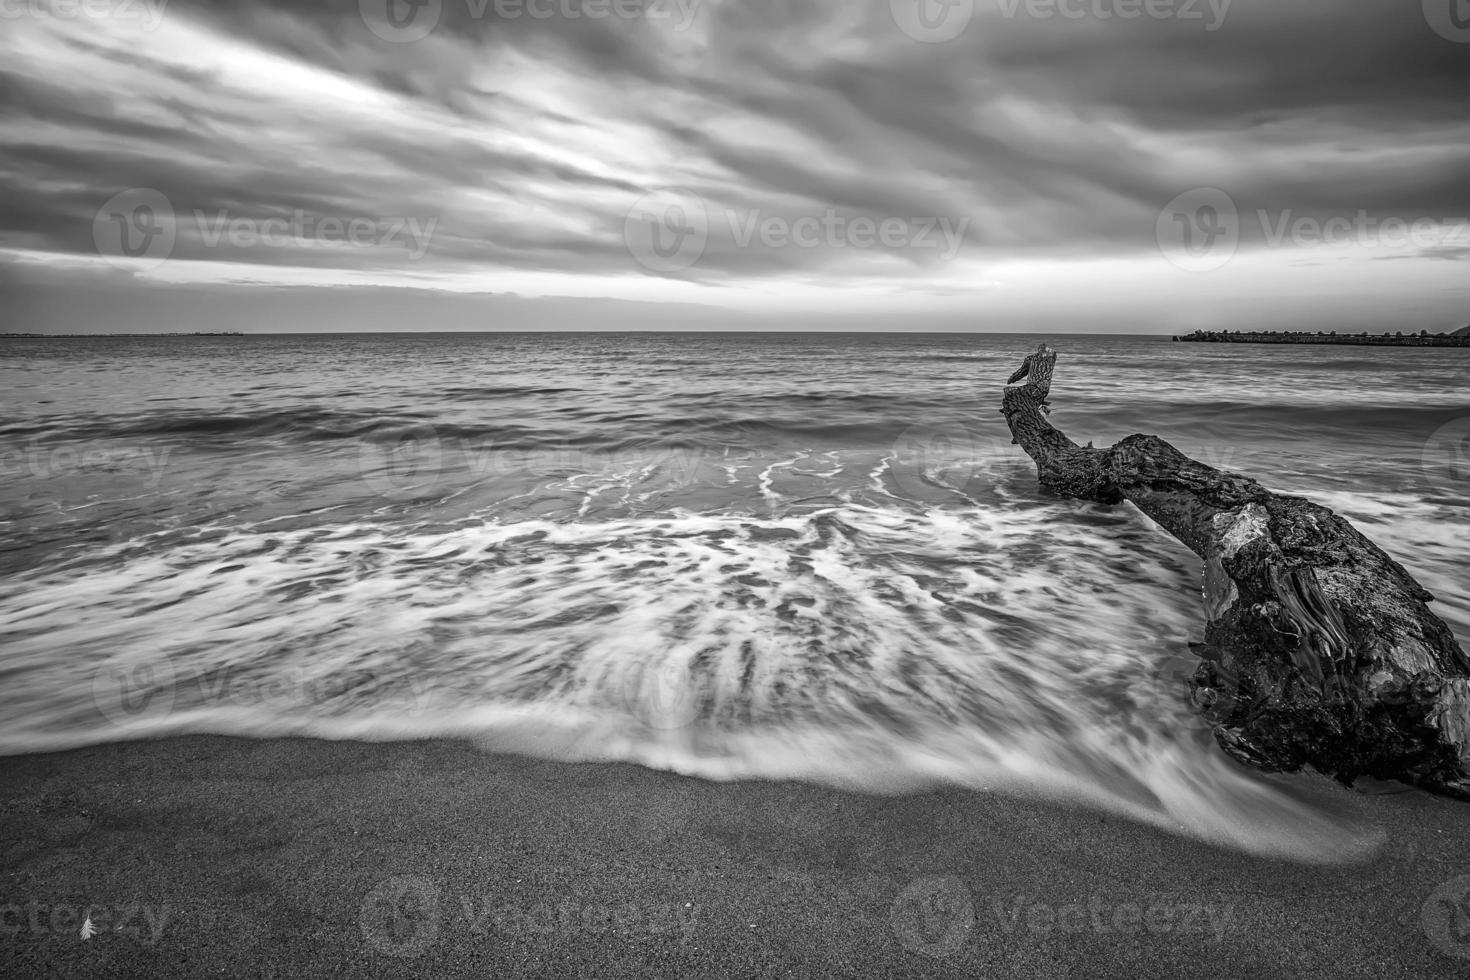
[{"x": 826, "y": 161}]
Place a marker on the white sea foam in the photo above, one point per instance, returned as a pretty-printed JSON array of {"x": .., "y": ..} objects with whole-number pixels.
[{"x": 881, "y": 648}]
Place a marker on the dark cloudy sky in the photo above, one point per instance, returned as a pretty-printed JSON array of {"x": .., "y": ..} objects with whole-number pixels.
[{"x": 1095, "y": 165}]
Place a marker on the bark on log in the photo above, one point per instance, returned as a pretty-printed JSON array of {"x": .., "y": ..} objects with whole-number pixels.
[{"x": 1319, "y": 648}]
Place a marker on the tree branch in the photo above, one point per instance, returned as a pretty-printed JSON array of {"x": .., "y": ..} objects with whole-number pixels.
[{"x": 1319, "y": 648}]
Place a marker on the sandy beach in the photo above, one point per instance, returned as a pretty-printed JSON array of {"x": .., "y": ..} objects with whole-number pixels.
[{"x": 211, "y": 856}]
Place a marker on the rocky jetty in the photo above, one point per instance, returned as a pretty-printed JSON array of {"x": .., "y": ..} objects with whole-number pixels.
[{"x": 1460, "y": 338}]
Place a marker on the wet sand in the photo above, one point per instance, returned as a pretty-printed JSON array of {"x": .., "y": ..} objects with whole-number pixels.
[{"x": 209, "y": 856}]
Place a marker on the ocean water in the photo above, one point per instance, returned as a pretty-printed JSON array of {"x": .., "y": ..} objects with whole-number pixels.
[{"x": 810, "y": 556}]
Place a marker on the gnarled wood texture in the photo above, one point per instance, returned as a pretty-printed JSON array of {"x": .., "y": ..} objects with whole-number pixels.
[{"x": 1319, "y": 648}]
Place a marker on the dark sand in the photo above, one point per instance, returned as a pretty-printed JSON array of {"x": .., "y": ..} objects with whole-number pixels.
[{"x": 283, "y": 858}]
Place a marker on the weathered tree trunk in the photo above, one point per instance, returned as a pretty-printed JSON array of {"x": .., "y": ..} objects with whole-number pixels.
[{"x": 1319, "y": 649}]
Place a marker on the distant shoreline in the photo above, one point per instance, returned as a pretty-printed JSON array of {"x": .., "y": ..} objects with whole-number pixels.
[
  {"x": 52, "y": 336},
  {"x": 1460, "y": 338}
]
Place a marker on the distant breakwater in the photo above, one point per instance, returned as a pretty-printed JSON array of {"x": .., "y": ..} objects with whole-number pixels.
[{"x": 1458, "y": 339}]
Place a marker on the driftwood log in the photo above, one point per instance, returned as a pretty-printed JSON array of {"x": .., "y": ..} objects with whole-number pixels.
[{"x": 1319, "y": 649}]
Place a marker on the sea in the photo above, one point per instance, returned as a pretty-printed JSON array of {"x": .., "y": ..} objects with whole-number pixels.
[{"x": 805, "y": 556}]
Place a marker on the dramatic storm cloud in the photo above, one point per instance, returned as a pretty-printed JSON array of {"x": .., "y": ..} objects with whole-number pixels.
[{"x": 1158, "y": 165}]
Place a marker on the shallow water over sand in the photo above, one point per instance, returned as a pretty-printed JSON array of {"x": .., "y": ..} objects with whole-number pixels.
[{"x": 736, "y": 557}]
